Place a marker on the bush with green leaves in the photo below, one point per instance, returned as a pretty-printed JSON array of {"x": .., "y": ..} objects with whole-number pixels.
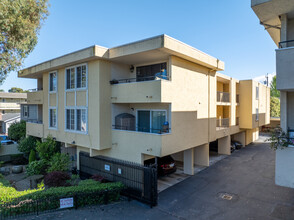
[
  {"x": 27, "y": 144},
  {"x": 17, "y": 131},
  {"x": 32, "y": 156},
  {"x": 37, "y": 167},
  {"x": 88, "y": 182},
  {"x": 47, "y": 148},
  {"x": 59, "y": 162}
]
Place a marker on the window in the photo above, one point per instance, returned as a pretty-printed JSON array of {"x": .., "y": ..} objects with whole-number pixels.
[
  {"x": 25, "y": 111},
  {"x": 76, "y": 77},
  {"x": 81, "y": 120},
  {"x": 53, "y": 82},
  {"x": 257, "y": 115},
  {"x": 70, "y": 119},
  {"x": 76, "y": 119},
  {"x": 154, "y": 121},
  {"x": 257, "y": 92},
  {"x": 145, "y": 73},
  {"x": 52, "y": 118}
]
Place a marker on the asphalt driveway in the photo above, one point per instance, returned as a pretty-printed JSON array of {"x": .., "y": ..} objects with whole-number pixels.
[{"x": 240, "y": 186}]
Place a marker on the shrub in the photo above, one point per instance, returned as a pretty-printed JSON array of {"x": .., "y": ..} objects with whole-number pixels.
[
  {"x": 17, "y": 131},
  {"x": 47, "y": 148},
  {"x": 59, "y": 162},
  {"x": 18, "y": 159},
  {"x": 99, "y": 178},
  {"x": 32, "y": 156},
  {"x": 74, "y": 180},
  {"x": 37, "y": 167},
  {"x": 88, "y": 182},
  {"x": 56, "y": 179},
  {"x": 27, "y": 144}
]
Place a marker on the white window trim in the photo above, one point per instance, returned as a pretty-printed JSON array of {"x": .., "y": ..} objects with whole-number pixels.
[
  {"x": 150, "y": 110},
  {"x": 76, "y": 89},
  {"x": 75, "y": 108},
  {"x": 49, "y": 127},
  {"x": 55, "y": 91}
]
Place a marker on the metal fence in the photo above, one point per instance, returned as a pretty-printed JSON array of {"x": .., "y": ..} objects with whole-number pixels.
[
  {"x": 223, "y": 97},
  {"x": 140, "y": 180},
  {"x": 51, "y": 204},
  {"x": 224, "y": 122}
]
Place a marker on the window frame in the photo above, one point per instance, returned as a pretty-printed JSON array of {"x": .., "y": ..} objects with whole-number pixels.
[
  {"x": 49, "y": 118},
  {"x": 76, "y": 108},
  {"x": 27, "y": 111},
  {"x": 49, "y": 84},
  {"x": 76, "y": 77},
  {"x": 257, "y": 92},
  {"x": 150, "y": 118}
]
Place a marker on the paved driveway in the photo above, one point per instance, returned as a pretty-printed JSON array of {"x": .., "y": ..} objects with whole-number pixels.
[{"x": 238, "y": 187}]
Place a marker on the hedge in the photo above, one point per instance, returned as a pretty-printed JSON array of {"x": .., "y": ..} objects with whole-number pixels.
[{"x": 42, "y": 200}]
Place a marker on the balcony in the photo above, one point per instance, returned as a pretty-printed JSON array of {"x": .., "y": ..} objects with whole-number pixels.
[
  {"x": 163, "y": 130},
  {"x": 223, "y": 123},
  {"x": 9, "y": 105},
  {"x": 35, "y": 129},
  {"x": 35, "y": 97},
  {"x": 132, "y": 91},
  {"x": 237, "y": 98},
  {"x": 223, "y": 97},
  {"x": 285, "y": 66}
]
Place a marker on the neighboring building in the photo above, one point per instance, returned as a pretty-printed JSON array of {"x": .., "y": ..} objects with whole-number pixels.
[
  {"x": 150, "y": 98},
  {"x": 6, "y": 120},
  {"x": 277, "y": 16},
  {"x": 10, "y": 102}
]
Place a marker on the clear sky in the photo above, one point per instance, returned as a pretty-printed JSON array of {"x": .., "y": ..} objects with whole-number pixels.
[{"x": 226, "y": 29}]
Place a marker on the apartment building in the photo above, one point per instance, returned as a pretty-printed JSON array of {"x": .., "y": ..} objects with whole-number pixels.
[
  {"x": 10, "y": 102},
  {"x": 145, "y": 99},
  {"x": 277, "y": 16}
]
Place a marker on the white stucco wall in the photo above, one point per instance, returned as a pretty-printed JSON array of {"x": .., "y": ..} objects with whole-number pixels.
[{"x": 284, "y": 167}]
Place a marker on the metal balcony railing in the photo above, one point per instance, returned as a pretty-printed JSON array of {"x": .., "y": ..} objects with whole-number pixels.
[
  {"x": 223, "y": 123},
  {"x": 138, "y": 79},
  {"x": 143, "y": 129},
  {"x": 284, "y": 44},
  {"x": 36, "y": 121},
  {"x": 223, "y": 97}
]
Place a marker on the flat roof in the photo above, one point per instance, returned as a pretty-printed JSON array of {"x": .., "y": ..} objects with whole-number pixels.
[{"x": 150, "y": 49}]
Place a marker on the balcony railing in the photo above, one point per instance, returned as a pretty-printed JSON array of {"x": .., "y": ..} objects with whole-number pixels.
[
  {"x": 238, "y": 98},
  {"x": 36, "y": 121},
  {"x": 163, "y": 130},
  {"x": 223, "y": 123},
  {"x": 237, "y": 120},
  {"x": 139, "y": 79},
  {"x": 35, "y": 90},
  {"x": 284, "y": 44},
  {"x": 223, "y": 96}
]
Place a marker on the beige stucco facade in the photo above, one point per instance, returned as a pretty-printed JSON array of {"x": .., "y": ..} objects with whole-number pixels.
[
  {"x": 188, "y": 98},
  {"x": 10, "y": 102}
]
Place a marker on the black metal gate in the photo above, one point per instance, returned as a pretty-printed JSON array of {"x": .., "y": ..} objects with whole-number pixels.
[{"x": 141, "y": 181}]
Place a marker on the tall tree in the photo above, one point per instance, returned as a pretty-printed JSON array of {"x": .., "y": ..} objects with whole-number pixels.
[
  {"x": 17, "y": 90},
  {"x": 274, "y": 91},
  {"x": 275, "y": 107},
  {"x": 20, "y": 23}
]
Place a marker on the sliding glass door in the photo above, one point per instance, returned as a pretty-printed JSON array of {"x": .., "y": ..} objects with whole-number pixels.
[{"x": 151, "y": 120}]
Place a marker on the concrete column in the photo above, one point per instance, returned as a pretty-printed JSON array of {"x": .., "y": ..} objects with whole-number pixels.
[
  {"x": 201, "y": 155},
  {"x": 283, "y": 98},
  {"x": 224, "y": 145},
  {"x": 240, "y": 137},
  {"x": 189, "y": 161},
  {"x": 284, "y": 24}
]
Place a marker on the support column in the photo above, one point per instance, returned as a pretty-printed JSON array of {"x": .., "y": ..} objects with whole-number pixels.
[
  {"x": 201, "y": 155},
  {"x": 189, "y": 161},
  {"x": 283, "y": 98},
  {"x": 240, "y": 137},
  {"x": 224, "y": 145}
]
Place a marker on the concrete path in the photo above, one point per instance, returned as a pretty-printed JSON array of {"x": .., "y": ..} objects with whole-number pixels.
[{"x": 240, "y": 186}]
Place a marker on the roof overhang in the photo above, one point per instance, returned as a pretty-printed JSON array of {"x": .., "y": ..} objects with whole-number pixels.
[
  {"x": 145, "y": 51},
  {"x": 269, "y": 11}
]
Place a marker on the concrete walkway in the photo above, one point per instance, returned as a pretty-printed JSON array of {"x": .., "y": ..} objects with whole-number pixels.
[{"x": 240, "y": 186}]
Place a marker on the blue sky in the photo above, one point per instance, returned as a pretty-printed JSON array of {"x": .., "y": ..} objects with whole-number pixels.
[{"x": 227, "y": 29}]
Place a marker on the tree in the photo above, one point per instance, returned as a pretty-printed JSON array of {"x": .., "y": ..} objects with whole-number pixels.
[
  {"x": 17, "y": 131},
  {"x": 2, "y": 90},
  {"x": 274, "y": 91},
  {"x": 275, "y": 107},
  {"x": 20, "y": 23},
  {"x": 17, "y": 90}
]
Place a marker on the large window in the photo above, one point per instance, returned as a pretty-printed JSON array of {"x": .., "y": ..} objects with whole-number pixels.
[
  {"x": 52, "y": 118},
  {"x": 76, "y": 77},
  {"x": 150, "y": 72},
  {"x": 53, "y": 82},
  {"x": 76, "y": 119},
  {"x": 154, "y": 121}
]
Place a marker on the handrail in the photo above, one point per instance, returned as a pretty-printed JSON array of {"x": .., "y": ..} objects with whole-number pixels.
[
  {"x": 35, "y": 90},
  {"x": 284, "y": 42},
  {"x": 223, "y": 122},
  {"x": 142, "y": 129},
  {"x": 223, "y": 96},
  {"x": 138, "y": 79}
]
